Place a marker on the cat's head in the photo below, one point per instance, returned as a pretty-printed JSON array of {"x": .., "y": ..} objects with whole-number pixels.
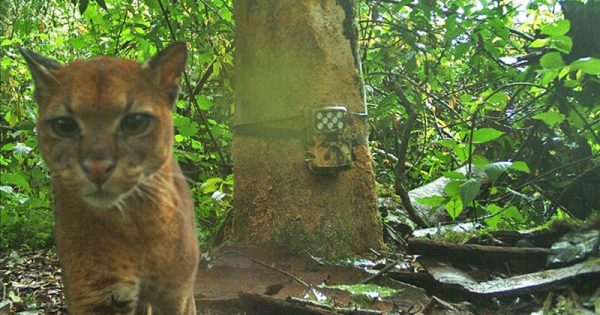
[{"x": 105, "y": 124}]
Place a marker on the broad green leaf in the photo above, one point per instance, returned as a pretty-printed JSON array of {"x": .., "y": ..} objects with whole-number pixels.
[
  {"x": 540, "y": 42},
  {"x": 433, "y": 201},
  {"x": 462, "y": 152},
  {"x": 562, "y": 44},
  {"x": 185, "y": 126},
  {"x": 469, "y": 190},
  {"x": 454, "y": 207},
  {"x": 484, "y": 135},
  {"x": 451, "y": 189},
  {"x": 17, "y": 180},
  {"x": 550, "y": 118},
  {"x": 552, "y": 60},
  {"x": 560, "y": 27},
  {"x": 493, "y": 220},
  {"x": 576, "y": 120},
  {"x": 513, "y": 213},
  {"x": 211, "y": 185},
  {"x": 494, "y": 170},
  {"x": 498, "y": 100},
  {"x": 549, "y": 75},
  {"x": 520, "y": 166},
  {"x": 587, "y": 65},
  {"x": 479, "y": 161},
  {"x": 203, "y": 102}
]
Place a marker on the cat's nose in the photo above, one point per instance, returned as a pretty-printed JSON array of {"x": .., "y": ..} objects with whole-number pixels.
[{"x": 98, "y": 170}]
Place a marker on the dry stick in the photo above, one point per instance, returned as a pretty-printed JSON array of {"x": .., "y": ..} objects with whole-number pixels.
[
  {"x": 401, "y": 154},
  {"x": 383, "y": 270},
  {"x": 193, "y": 99},
  {"x": 266, "y": 265}
]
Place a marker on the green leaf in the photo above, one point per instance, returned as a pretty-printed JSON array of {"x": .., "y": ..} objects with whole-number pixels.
[
  {"x": 550, "y": 118},
  {"x": 211, "y": 185},
  {"x": 479, "y": 161},
  {"x": 521, "y": 167},
  {"x": 185, "y": 126},
  {"x": 493, "y": 220},
  {"x": 513, "y": 213},
  {"x": 469, "y": 190},
  {"x": 17, "y": 180},
  {"x": 560, "y": 27},
  {"x": 371, "y": 290},
  {"x": 552, "y": 60},
  {"x": 587, "y": 65},
  {"x": 454, "y": 208},
  {"x": 494, "y": 170},
  {"x": 540, "y": 42},
  {"x": 484, "y": 135},
  {"x": 203, "y": 102},
  {"x": 562, "y": 44},
  {"x": 451, "y": 189},
  {"x": 498, "y": 100},
  {"x": 433, "y": 201}
]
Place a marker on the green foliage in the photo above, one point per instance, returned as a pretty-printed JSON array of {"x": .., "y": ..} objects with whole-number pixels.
[
  {"x": 65, "y": 31},
  {"x": 509, "y": 91},
  {"x": 496, "y": 84}
]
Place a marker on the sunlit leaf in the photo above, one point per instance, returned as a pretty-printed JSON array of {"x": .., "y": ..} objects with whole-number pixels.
[
  {"x": 469, "y": 190},
  {"x": 550, "y": 118},
  {"x": 552, "y": 60},
  {"x": 560, "y": 27},
  {"x": 484, "y": 135},
  {"x": 494, "y": 170}
]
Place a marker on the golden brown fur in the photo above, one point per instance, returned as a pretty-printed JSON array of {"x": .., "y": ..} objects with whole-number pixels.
[{"x": 125, "y": 229}]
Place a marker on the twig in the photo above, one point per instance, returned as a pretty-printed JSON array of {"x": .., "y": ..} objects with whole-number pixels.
[
  {"x": 337, "y": 310},
  {"x": 383, "y": 270},
  {"x": 401, "y": 153},
  {"x": 266, "y": 265}
]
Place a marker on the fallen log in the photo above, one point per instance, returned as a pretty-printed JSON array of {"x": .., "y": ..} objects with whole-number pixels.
[{"x": 523, "y": 259}]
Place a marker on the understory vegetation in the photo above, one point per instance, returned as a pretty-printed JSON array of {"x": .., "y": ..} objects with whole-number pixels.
[{"x": 510, "y": 88}]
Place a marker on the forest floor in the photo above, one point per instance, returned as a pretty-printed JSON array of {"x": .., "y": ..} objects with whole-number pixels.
[{"x": 550, "y": 271}]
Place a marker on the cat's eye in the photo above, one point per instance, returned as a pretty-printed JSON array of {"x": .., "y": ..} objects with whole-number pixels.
[
  {"x": 135, "y": 124},
  {"x": 65, "y": 127}
]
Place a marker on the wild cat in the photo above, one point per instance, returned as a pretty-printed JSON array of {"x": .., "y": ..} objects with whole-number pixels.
[{"x": 125, "y": 229}]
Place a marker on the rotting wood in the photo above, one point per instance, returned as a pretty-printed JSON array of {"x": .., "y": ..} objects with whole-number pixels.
[{"x": 524, "y": 259}]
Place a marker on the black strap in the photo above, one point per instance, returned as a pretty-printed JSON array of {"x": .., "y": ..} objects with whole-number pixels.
[{"x": 266, "y": 132}]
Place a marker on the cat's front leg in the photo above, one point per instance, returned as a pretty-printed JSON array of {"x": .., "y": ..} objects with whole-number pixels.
[
  {"x": 97, "y": 298},
  {"x": 177, "y": 303}
]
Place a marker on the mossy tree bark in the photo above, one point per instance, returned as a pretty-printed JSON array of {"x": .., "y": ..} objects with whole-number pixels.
[{"x": 293, "y": 56}]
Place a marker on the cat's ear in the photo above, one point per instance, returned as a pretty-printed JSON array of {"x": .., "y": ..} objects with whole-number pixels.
[
  {"x": 41, "y": 69},
  {"x": 166, "y": 67}
]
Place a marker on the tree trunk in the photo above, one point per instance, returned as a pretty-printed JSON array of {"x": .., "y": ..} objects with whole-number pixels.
[{"x": 292, "y": 57}]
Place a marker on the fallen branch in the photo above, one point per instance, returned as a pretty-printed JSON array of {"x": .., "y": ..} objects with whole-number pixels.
[
  {"x": 383, "y": 270},
  {"x": 521, "y": 258}
]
